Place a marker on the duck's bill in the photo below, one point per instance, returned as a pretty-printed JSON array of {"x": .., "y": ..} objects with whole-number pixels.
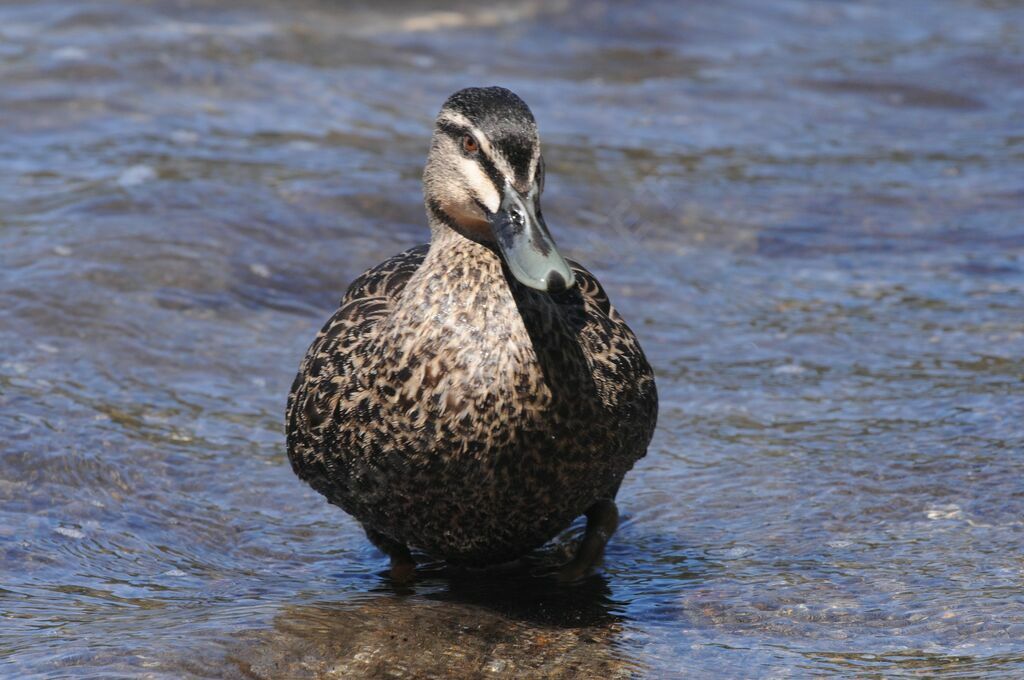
[{"x": 527, "y": 246}]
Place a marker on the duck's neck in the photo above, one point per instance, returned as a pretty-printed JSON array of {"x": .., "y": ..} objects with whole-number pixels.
[
  {"x": 458, "y": 317},
  {"x": 459, "y": 276},
  {"x": 448, "y": 242}
]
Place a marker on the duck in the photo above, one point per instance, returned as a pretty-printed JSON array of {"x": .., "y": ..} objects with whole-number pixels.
[{"x": 471, "y": 398}]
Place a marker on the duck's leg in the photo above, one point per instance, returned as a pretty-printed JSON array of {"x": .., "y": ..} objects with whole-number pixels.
[
  {"x": 403, "y": 567},
  {"x": 602, "y": 521}
]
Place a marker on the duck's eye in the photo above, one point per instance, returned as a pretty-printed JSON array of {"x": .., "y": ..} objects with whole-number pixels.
[{"x": 469, "y": 144}]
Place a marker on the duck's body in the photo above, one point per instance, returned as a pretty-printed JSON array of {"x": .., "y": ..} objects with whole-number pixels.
[{"x": 451, "y": 408}]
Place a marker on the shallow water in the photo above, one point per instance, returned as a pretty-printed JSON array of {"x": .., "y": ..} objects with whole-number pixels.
[{"x": 812, "y": 213}]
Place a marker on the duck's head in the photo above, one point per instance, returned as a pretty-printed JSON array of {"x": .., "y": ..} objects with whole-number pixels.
[{"x": 484, "y": 177}]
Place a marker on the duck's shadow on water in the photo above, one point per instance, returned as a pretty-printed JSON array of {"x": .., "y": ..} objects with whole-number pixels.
[
  {"x": 509, "y": 622},
  {"x": 521, "y": 592}
]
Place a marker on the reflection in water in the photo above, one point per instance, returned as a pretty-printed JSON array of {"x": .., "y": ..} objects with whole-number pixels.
[
  {"x": 515, "y": 620},
  {"x": 509, "y": 626},
  {"x": 808, "y": 212}
]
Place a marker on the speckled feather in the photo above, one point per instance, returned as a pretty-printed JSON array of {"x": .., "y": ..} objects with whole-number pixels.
[{"x": 451, "y": 409}]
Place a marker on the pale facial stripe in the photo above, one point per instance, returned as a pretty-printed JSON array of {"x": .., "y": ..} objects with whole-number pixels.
[
  {"x": 534, "y": 161},
  {"x": 480, "y": 184},
  {"x": 502, "y": 165}
]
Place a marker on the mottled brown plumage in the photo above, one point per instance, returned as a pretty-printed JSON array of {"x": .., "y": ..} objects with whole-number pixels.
[{"x": 452, "y": 409}]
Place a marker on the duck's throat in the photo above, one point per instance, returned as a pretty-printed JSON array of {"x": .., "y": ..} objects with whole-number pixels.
[
  {"x": 455, "y": 340},
  {"x": 459, "y": 304}
]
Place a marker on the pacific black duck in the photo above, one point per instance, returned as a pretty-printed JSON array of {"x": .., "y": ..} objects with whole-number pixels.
[{"x": 472, "y": 397}]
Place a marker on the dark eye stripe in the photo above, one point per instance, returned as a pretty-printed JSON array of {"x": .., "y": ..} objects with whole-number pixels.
[
  {"x": 457, "y": 132},
  {"x": 451, "y": 129}
]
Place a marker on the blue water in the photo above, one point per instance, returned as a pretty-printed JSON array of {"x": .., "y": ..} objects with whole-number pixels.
[{"x": 812, "y": 214}]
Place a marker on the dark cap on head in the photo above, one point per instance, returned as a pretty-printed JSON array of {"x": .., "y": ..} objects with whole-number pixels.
[
  {"x": 491, "y": 107},
  {"x": 505, "y": 118}
]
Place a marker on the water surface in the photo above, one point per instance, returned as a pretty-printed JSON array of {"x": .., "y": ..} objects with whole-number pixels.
[{"x": 812, "y": 214}]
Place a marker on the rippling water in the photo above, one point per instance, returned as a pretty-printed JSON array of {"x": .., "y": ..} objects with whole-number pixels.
[{"x": 812, "y": 213}]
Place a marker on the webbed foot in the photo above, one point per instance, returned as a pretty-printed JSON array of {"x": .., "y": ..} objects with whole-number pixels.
[
  {"x": 403, "y": 566},
  {"x": 402, "y": 571},
  {"x": 602, "y": 521}
]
